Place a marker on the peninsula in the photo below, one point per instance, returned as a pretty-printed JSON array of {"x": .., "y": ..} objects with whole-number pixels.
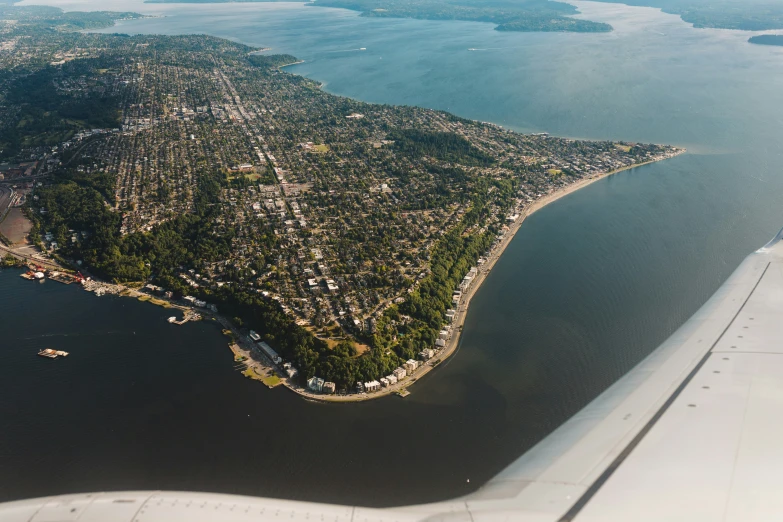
[
  {"x": 742, "y": 15},
  {"x": 509, "y": 15},
  {"x": 339, "y": 241},
  {"x": 767, "y": 39}
]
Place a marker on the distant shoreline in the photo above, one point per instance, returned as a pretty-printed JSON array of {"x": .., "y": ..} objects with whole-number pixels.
[{"x": 773, "y": 40}]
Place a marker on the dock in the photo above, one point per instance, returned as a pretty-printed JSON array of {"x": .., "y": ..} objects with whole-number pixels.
[
  {"x": 190, "y": 315},
  {"x": 61, "y": 278}
]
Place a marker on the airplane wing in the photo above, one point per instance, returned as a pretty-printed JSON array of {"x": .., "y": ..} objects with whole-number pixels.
[{"x": 694, "y": 432}]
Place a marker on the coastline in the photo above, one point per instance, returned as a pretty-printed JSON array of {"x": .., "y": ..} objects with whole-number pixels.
[
  {"x": 462, "y": 307},
  {"x": 258, "y": 367}
]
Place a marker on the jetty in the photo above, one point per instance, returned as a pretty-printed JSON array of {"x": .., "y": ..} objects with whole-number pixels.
[
  {"x": 189, "y": 315},
  {"x": 61, "y": 277}
]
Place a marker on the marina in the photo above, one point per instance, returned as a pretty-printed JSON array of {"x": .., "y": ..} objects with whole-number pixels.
[{"x": 39, "y": 273}]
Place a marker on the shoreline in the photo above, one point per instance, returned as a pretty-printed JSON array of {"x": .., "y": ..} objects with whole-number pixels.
[
  {"x": 463, "y": 306},
  {"x": 257, "y": 363}
]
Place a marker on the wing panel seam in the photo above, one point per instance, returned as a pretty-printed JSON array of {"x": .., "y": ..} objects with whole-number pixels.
[{"x": 604, "y": 477}]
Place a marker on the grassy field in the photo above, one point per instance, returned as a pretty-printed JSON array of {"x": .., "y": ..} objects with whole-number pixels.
[
  {"x": 153, "y": 300},
  {"x": 272, "y": 381}
]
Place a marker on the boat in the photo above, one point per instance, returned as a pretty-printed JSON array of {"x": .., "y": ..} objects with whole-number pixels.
[{"x": 48, "y": 353}]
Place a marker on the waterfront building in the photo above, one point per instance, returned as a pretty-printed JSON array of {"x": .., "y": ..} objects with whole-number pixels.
[
  {"x": 315, "y": 384},
  {"x": 270, "y": 352}
]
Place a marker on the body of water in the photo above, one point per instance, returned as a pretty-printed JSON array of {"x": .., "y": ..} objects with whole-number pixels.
[{"x": 590, "y": 285}]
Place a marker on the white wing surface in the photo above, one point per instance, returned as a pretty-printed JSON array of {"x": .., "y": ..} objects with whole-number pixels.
[{"x": 694, "y": 432}]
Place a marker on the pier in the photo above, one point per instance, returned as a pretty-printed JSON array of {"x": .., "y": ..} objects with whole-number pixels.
[{"x": 189, "y": 315}]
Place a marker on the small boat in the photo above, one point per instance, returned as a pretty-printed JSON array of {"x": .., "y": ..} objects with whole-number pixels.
[
  {"x": 48, "y": 353},
  {"x": 61, "y": 353}
]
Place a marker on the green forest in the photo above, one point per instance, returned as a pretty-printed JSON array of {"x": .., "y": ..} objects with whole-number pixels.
[
  {"x": 48, "y": 117},
  {"x": 446, "y": 146}
]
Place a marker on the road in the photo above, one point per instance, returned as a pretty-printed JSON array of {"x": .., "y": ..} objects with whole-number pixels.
[
  {"x": 29, "y": 255},
  {"x": 6, "y": 197}
]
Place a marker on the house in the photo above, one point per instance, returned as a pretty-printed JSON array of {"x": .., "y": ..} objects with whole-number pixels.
[
  {"x": 370, "y": 325},
  {"x": 427, "y": 354},
  {"x": 444, "y": 334},
  {"x": 315, "y": 384},
  {"x": 440, "y": 343},
  {"x": 329, "y": 387},
  {"x": 384, "y": 382},
  {"x": 372, "y": 386},
  {"x": 400, "y": 373},
  {"x": 392, "y": 379},
  {"x": 410, "y": 365}
]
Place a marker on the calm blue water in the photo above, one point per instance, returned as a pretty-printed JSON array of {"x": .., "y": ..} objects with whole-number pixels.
[{"x": 589, "y": 286}]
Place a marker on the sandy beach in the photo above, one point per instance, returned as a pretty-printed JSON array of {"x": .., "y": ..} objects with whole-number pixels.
[{"x": 453, "y": 342}]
